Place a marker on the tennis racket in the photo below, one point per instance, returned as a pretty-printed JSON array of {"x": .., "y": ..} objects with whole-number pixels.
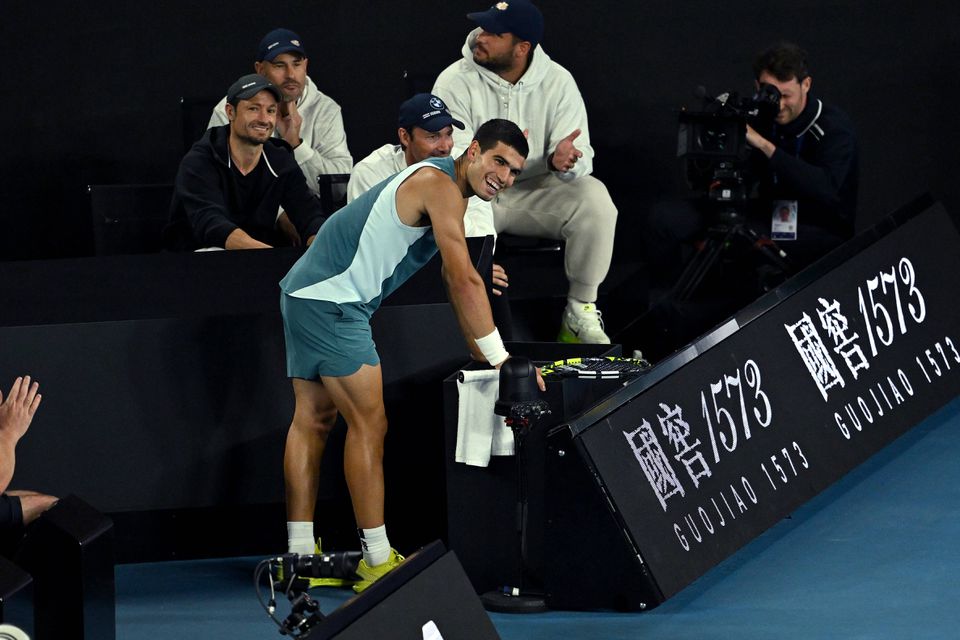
[{"x": 602, "y": 368}]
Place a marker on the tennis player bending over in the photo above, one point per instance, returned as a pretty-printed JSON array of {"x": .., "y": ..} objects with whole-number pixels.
[{"x": 360, "y": 255}]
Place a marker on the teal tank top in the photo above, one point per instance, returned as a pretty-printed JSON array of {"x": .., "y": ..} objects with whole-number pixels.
[{"x": 363, "y": 252}]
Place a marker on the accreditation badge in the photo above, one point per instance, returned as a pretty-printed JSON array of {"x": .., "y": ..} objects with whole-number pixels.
[{"x": 783, "y": 225}]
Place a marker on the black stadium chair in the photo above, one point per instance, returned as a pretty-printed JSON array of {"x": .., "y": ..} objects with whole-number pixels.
[
  {"x": 333, "y": 190},
  {"x": 511, "y": 244},
  {"x": 129, "y": 218},
  {"x": 194, "y": 118}
]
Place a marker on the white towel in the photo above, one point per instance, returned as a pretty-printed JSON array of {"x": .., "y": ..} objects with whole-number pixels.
[{"x": 480, "y": 432}]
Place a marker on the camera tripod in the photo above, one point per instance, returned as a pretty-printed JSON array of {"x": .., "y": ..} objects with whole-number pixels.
[{"x": 729, "y": 227}]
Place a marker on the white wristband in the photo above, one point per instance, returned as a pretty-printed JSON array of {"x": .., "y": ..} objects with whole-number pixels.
[{"x": 491, "y": 346}]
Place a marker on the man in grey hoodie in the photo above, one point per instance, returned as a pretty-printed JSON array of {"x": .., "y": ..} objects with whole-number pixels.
[{"x": 505, "y": 73}]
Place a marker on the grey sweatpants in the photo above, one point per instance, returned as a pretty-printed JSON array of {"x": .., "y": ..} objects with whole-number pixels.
[{"x": 580, "y": 212}]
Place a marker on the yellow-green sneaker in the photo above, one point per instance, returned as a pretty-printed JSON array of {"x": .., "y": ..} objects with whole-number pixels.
[{"x": 369, "y": 575}]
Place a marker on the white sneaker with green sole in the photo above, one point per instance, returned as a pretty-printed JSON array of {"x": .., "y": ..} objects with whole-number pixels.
[{"x": 582, "y": 323}]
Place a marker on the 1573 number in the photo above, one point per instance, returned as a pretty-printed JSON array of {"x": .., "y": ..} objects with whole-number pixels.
[
  {"x": 880, "y": 324},
  {"x": 729, "y": 390}
]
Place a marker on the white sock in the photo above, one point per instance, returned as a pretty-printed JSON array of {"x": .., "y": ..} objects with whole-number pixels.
[
  {"x": 300, "y": 538},
  {"x": 573, "y": 303},
  {"x": 375, "y": 545}
]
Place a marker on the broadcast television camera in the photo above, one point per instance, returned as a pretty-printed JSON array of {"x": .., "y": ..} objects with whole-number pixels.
[
  {"x": 718, "y": 163},
  {"x": 712, "y": 142}
]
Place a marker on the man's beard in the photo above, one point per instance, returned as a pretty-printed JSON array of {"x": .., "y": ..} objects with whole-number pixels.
[
  {"x": 493, "y": 64},
  {"x": 288, "y": 98}
]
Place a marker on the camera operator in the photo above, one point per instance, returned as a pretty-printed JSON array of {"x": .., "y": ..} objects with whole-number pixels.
[
  {"x": 801, "y": 175},
  {"x": 807, "y": 163}
]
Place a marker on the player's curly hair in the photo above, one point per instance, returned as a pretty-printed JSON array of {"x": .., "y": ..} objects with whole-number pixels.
[{"x": 499, "y": 130}]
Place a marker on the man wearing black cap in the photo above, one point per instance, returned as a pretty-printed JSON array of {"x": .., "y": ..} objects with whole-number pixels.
[
  {"x": 309, "y": 121},
  {"x": 505, "y": 73},
  {"x": 233, "y": 180}
]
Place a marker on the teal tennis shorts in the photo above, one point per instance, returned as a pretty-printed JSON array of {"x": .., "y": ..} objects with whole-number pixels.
[{"x": 325, "y": 338}]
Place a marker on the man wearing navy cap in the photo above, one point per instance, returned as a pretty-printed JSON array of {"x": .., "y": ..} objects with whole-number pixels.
[
  {"x": 425, "y": 130},
  {"x": 233, "y": 180},
  {"x": 505, "y": 73},
  {"x": 309, "y": 121}
]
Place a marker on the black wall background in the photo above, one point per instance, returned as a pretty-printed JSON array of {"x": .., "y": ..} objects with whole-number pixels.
[{"x": 91, "y": 90}]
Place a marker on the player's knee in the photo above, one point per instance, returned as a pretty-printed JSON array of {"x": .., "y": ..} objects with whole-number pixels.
[
  {"x": 371, "y": 426},
  {"x": 318, "y": 422}
]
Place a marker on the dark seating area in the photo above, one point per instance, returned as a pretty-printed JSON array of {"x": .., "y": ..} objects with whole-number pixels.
[
  {"x": 129, "y": 219},
  {"x": 778, "y": 463}
]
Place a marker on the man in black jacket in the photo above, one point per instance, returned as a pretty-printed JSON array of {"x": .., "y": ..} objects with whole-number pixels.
[
  {"x": 233, "y": 182},
  {"x": 807, "y": 163}
]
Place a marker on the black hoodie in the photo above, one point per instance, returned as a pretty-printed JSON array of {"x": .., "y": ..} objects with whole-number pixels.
[{"x": 209, "y": 203}]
